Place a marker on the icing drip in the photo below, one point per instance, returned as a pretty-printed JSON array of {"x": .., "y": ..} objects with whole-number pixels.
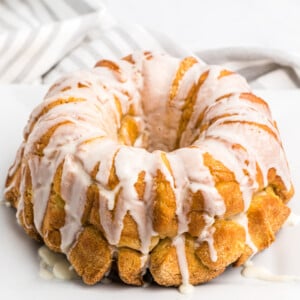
[
  {"x": 292, "y": 220},
  {"x": 73, "y": 190},
  {"x": 207, "y": 236},
  {"x": 200, "y": 179},
  {"x": 186, "y": 289},
  {"x": 4, "y": 202},
  {"x": 20, "y": 204},
  {"x": 243, "y": 221},
  {"x": 179, "y": 243},
  {"x": 128, "y": 165},
  {"x": 181, "y": 182},
  {"x": 251, "y": 271},
  {"x": 144, "y": 263},
  {"x": 54, "y": 265}
]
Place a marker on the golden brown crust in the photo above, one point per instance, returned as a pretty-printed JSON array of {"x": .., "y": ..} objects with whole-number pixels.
[
  {"x": 163, "y": 264},
  {"x": 188, "y": 107},
  {"x": 26, "y": 216},
  {"x": 247, "y": 253},
  {"x": 130, "y": 235},
  {"x": 185, "y": 65},
  {"x": 128, "y": 131},
  {"x": 165, "y": 269},
  {"x": 224, "y": 73},
  {"x": 279, "y": 188},
  {"x": 164, "y": 207},
  {"x": 199, "y": 273},
  {"x": 196, "y": 215},
  {"x": 266, "y": 215},
  {"x": 91, "y": 256},
  {"x": 129, "y": 266},
  {"x": 42, "y": 143},
  {"x": 226, "y": 185},
  {"x": 54, "y": 217},
  {"x": 229, "y": 242}
]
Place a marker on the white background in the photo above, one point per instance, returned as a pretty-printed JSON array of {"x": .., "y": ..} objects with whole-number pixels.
[{"x": 215, "y": 23}]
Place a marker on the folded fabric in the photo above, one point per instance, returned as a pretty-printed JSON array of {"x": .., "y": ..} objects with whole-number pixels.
[{"x": 42, "y": 39}]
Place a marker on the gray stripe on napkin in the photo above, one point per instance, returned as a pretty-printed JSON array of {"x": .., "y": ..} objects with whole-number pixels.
[
  {"x": 11, "y": 7},
  {"x": 111, "y": 45},
  {"x": 76, "y": 60},
  {"x": 94, "y": 52},
  {"x": 127, "y": 38},
  {"x": 30, "y": 38},
  {"x": 35, "y": 59},
  {"x": 253, "y": 72},
  {"x": 294, "y": 77},
  {"x": 35, "y": 11},
  {"x": 6, "y": 43},
  {"x": 50, "y": 11},
  {"x": 4, "y": 24},
  {"x": 81, "y": 7}
]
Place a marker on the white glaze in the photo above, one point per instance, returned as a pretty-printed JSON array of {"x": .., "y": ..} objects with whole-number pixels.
[
  {"x": 251, "y": 271},
  {"x": 179, "y": 243},
  {"x": 292, "y": 220},
  {"x": 243, "y": 221},
  {"x": 45, "y": 273},
  {"x": 207, "y": 236},
  {"x": 47, "y": 256},
  {"x": 7, "y": 204},
  {"x": 157, "y": 118},
  {"x": 4, "y": 202},
  {"x": 186, "y": 289},
  {"x": 54, "y": 265}
]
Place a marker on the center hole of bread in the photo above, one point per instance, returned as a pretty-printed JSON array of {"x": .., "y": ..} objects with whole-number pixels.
[{"x": 154, "y": 132}]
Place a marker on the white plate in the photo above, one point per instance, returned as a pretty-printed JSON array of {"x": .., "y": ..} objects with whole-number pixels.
[{"x": 19, "y": 263}]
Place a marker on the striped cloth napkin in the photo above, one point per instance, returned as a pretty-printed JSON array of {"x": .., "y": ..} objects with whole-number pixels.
[{"x": 42, "y": 39}]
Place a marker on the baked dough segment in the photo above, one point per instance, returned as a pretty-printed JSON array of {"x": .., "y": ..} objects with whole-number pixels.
[
  {"x": 164, "y": 207},
  {"x": 26, "y": 215},
  {"x": 228, "y": 240},
  {"x": 54, "y": 218},
  {"x": 91, "y": 256},
  {"x": 130, "y": 266},
  {"x": 165, "y": 269},
  {"x": 196, "y": 215},
  {"x": 266, "y": 215},
  {"x": 226, "y": 185}
]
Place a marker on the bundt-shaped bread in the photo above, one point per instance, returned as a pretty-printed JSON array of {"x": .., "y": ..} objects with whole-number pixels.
[{"x": 154, "y": 163}]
